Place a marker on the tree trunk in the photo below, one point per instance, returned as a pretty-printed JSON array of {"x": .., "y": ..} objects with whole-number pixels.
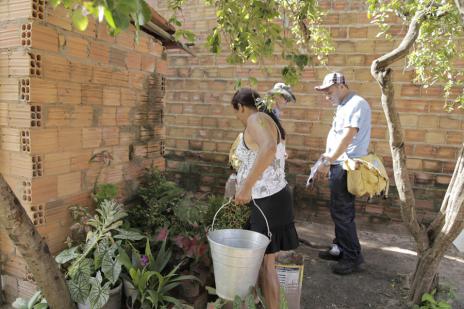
[
  {"x": 425, "y": 277},
  {"x": 432, "y": 242},
  {"x": 34, "y": 250}
]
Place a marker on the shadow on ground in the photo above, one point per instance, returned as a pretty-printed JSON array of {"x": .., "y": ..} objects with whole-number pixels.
[{"x": 389, "y": 253}]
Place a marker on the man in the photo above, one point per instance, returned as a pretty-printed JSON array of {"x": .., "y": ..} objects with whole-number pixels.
[{"x": 348, "y": 137}]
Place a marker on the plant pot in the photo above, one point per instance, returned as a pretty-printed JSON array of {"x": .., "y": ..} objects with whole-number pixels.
[
  {"x": 129, "y": 289},
  {"x": 114, "y": 302}
]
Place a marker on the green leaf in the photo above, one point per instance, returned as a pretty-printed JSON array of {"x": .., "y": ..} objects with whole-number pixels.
[
  {"x": 41, "y": 306},
  {"x": 79, "y": 20},
  {"x": 109, "y": 18},
  {"x": 67, "y": 255},
  {"x": 20, "y": 303},
  {"x": 210, "y": 290},
  {"x": 34, "y": 299},
  {"x": 111, "y": 267},
  {"x": 237, "y": 304},
  {"x": 154, "y": 298},
  {"x": 253, "y": 81},
  {"x": 54, "y": 3},
  {"x": 99, "y": 294},
  {"x": 124, "y": 259},
  {"x": 79, "y": 288},
  {"x": 128, "y": 235},
  {"x": 429, "y": 298}
]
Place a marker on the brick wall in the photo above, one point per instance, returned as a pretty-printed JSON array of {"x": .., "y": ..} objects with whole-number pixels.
[
  {"x": 64, "y": 97},
  {"x": 200, "y": 125}
]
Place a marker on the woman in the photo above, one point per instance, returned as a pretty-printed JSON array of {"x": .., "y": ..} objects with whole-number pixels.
[
  {"x": 282, "y": 95},
  {"x": 261, "y": 177}
]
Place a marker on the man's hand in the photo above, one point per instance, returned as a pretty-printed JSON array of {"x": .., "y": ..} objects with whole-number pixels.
[
  {"x": 323, "y": 170},
  {"x": 243, "y": 196}
]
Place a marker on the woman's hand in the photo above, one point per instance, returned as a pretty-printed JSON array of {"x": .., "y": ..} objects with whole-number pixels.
[{"x": 243, "y": 195}]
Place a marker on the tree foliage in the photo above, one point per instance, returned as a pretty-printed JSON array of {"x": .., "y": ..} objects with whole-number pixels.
[
  {"x": 118, "y": 14},
  {"x": 253, "y": 30},
  {"x": 438, "y": 46}
]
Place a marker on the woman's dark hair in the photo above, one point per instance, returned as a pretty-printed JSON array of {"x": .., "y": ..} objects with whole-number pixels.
[{"x": 250, "y": 98}]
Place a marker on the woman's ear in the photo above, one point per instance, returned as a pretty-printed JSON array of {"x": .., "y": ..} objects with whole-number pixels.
[{"x": 241, "y": 108}]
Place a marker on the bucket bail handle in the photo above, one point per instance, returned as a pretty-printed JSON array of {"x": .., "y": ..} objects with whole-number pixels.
[{"x": 269, "y": 234}]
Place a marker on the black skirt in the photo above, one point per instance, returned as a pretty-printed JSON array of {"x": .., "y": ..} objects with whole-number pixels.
[{"x": 278, "y": 209}]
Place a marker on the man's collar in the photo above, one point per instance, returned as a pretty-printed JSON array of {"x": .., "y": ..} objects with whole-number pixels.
[{"x": 347, "y": 98}]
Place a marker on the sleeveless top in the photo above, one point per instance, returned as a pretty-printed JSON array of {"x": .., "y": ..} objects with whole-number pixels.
[{"x": 273, "y": 178}]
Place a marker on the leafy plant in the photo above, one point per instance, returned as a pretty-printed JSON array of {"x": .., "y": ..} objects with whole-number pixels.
[
  {"x": 105, "y": 191},
  {"x": 231, "y": 216},
  {"x": 153, "y": 284},
  {"x": 429, "y": 302},
  {"x": 93, "y": 267},
  {"x": 37, "y": 301}
]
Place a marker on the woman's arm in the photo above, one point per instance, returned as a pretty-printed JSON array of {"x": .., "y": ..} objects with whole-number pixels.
[{"x": 259, "y": 129}]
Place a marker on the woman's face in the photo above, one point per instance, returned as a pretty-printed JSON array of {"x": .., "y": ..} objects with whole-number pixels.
[{"x": 240, "y": 113}]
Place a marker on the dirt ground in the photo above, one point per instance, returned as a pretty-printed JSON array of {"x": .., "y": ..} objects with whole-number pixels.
[{"x": 389, "y": 254}]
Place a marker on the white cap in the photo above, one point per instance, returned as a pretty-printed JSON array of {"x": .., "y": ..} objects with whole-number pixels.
[
  {"x": 284, "y": 90},
  {"x": 331, "y": 79}
]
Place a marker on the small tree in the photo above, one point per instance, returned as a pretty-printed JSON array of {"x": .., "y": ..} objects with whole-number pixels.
[{"x": 430, "y": 45}]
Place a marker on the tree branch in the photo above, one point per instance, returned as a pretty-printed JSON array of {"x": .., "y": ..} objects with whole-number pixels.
[
  {"x": 403, "y": 49},
  {"x": 460, "y": 5},
  {"x": 382, "y": 74},
  {"x": 450, "y": 221}
]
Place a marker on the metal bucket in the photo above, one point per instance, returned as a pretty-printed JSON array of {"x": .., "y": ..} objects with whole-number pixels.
[{"x": 237, "y": 256}]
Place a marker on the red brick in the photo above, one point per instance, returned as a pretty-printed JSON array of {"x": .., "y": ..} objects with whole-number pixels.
[
  {"x": 57, "y": 163},
  {"x": 99, "y": 52},
  {"x": 128, "y": 97},
  {"x": 148, "y": 63},
  {"x": 111, "y": 96},
  {"x": 44, "y": 38},
  {"x": 70, "y": 138},
  {"x": 108, "y": 116},
  {"x": 92, "y": 94},
  {"x": 110, "y": 136},
  {"x": 43, "y": 91},
  {"x": 91, "y": 137},
  {"x": 69, "y": 93},
  {"x": 77, "y": 47},
  {"x": 81, "y": 72},
  {"x": 133, "y": 60},
  {"x": 44, "y": 189},
  {"x": 69, "y": 184},
  {"x": 44, "y": 141},
  {"x": 102, "y": 33},
  {"x": 358, "y": 32}
]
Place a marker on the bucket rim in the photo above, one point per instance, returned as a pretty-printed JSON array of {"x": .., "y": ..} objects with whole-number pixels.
[{"x": 221, "y": 245}]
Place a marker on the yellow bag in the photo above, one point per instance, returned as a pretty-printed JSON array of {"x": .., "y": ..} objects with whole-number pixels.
[
  {"x": 233, "y": 159},
  {"x": 367, "y": 175}
]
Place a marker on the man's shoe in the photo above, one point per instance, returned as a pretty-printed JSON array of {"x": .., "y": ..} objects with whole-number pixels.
[
  {"x": 344, "y": 267},
  {"x": 327, "y": 255}
]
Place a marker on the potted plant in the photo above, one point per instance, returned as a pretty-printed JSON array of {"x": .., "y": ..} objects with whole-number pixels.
[
  {"x": 152, "y": 282},
  {"x": 93, "y": 268}
]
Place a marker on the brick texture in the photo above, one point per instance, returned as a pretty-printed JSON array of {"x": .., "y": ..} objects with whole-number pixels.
[
  {"x": 66, "y": 95},
  {"x": 200, "y": 126}
]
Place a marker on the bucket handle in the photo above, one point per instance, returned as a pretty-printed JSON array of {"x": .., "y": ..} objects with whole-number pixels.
[{"x": 269, "y": 234}]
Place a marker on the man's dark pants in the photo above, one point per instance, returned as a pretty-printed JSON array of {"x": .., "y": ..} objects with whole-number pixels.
[{"x": 343, "y": 213}]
